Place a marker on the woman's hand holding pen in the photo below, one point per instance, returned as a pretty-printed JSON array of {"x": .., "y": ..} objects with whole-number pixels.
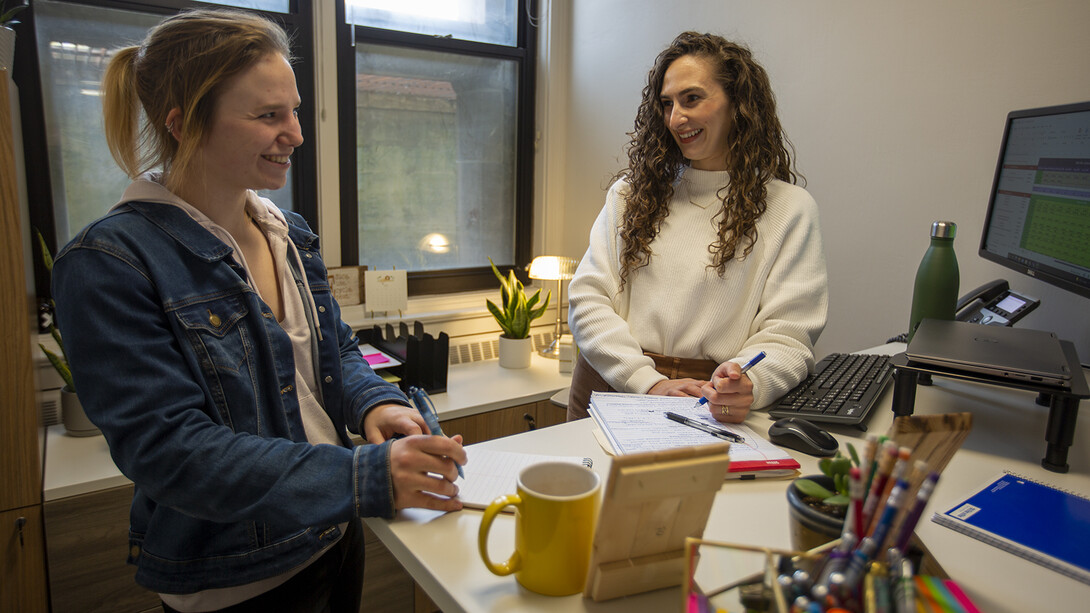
[
  {"x": 729, "y": 393},
  {"x": 423, "y": 467},
  {"x": 423, "y": 471},
  {"x": 388, "y": 420}
]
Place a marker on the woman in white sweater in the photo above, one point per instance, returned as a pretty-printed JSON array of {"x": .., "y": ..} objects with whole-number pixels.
[{"x": 705, "y": 253}]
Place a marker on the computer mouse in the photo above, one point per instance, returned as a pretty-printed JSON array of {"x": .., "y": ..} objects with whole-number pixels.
[{"x": 805, "y": 436}]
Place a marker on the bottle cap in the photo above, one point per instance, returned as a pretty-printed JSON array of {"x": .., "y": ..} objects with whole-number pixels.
[{"x": 944, "y": 229}]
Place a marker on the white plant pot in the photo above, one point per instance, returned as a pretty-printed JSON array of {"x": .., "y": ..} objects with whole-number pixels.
[
  {"x": 72, "y": 415},
  {"x": 515, "y": 352},
  {"x": 7, "y": 48}
]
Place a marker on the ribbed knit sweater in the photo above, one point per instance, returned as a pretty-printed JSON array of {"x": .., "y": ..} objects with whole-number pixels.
[{"x": 775, "y": 300}]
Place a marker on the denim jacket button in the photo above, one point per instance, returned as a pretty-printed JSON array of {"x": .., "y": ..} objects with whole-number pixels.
[
  {"x": 214, "y": 319},
  {"x": 321, "y": 309},
  {"x": 286, "y": 389},
  {"x": 134, "y": 551},
  {"x": 328, "y": 379}
]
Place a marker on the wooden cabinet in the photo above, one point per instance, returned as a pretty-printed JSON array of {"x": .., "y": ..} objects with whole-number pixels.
[
  {"x": 22, "y": 560},
  {"x": 87, "y": 540},
  {"x": 505, "y": 422}
]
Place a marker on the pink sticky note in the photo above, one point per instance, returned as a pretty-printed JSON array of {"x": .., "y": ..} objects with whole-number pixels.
[{"x": 375, "y": 358}]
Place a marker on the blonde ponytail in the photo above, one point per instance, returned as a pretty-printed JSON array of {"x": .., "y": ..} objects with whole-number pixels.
[{"x": 121, "y": 110}]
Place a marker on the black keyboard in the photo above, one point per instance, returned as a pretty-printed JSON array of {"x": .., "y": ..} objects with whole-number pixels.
[{"x": 842, "y": 389}]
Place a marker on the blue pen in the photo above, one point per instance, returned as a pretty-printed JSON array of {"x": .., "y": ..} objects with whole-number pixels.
[
  {"x": 745, "y": 368},
  {"x": 431, "y": 417}
]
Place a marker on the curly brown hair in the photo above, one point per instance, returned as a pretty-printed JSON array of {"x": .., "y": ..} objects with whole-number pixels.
[{"x": 758, "y": 152}]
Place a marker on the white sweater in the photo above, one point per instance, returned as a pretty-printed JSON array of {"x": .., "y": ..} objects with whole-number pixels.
[{"x": 775, "y": 300}]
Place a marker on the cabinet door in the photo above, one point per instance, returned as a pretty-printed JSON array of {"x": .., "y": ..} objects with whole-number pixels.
[
  {"x": 22, "y": 565},
  {"x": 87, "y": 538},
  {"x": 549, "y": 414},
  {"x": 386, "y": 585},
  {"x": 493, "y": 424},
  {"x": 20, "y": 454}
]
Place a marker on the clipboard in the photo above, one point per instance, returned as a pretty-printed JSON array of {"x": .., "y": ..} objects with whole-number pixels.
[{"x": 651, "y": 502}]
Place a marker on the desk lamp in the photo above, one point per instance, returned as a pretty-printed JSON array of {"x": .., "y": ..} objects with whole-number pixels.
[{"x": 558, "y": 268}]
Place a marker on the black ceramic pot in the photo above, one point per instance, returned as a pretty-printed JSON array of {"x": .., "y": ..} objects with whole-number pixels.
[{"x": 810, "y": 527}]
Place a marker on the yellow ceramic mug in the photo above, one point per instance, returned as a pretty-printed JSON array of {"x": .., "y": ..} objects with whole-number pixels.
[{"x": 556, "y": 510}]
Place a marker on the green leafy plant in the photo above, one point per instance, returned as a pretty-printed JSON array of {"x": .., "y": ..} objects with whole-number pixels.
[
  {"x": 7, "y": 15},
  {"x": 59, "y": 362},
  {"x": 836, "y": 468},
  {"x": 518, "y": 311}
]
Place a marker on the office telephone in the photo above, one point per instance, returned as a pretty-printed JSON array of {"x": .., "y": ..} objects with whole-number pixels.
[{"x": 994, "y": 304}]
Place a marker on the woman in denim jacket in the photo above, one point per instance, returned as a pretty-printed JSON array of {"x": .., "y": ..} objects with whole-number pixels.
[{"x": 206, "y": 344}]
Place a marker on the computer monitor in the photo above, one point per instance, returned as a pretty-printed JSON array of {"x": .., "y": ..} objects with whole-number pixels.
[{"x": 1038, "y": 220}]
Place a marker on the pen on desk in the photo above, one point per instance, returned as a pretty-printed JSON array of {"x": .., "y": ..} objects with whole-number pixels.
[
  {"x": 427, "y": 410},
  {"x": 887, "y": 457},
  {"x": 710, "y": 429},
  {"x": 893, "y": 506},
  {"x": 904, "y": 590},
  {"x": 855, "y": 490},
  {"x": 865, "y": 465},
  {"x": 909, "y": 523},
  {"x": 896, "y": 475},
  {"x": 745, "y": 368}
]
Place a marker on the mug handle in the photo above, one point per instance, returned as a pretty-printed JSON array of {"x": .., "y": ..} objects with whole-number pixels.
[{"x": 514, "y": 562}]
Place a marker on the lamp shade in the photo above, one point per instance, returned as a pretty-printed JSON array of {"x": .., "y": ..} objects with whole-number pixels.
[{"x": 552, "y": 267}]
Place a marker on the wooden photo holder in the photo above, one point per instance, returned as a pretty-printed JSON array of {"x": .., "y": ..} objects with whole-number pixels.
[
  {"x": 650, "y": 503},
  {"x": 933, "y": 439}
]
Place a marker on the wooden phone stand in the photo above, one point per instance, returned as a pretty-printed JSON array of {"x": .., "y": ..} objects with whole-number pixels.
[{"x": 651, "y": 502}]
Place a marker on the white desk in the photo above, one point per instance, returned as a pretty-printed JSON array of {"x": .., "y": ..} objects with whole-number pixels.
[{"x": 440, "y": 551}]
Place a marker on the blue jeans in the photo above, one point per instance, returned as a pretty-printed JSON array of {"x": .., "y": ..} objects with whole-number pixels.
[{"x": 332, "y": 584}]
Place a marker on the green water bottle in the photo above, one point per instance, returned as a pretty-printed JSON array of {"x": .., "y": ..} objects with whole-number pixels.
[{"x": 936, "y": 291}]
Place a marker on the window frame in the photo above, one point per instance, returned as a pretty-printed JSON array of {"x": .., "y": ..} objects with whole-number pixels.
[
  {"x": 525, "y": 53},
  {"x": 299, "y": 23}
]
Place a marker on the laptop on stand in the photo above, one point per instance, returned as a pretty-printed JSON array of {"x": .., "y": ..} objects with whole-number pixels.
[{"x": 1015, "y": 354}]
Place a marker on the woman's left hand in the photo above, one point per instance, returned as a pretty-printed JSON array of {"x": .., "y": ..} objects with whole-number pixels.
[
  {"x": 387, "y": 420},
  {"x": 729, "y": 393}
]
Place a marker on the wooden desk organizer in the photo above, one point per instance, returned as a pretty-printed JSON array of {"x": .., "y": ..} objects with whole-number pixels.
[{"x": 651, "y": 502}]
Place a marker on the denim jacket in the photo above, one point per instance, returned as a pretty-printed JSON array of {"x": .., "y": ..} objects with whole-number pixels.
[{"x": 191, "y": 380}]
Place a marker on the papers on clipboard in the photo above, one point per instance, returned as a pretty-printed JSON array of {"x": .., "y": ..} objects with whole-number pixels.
[{"x": 634, "y": 423}]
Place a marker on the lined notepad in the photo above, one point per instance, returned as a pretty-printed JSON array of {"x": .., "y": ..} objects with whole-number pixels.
[
  {"x": 1038, "y": 522},
  {"x": 491, "y": 474}
]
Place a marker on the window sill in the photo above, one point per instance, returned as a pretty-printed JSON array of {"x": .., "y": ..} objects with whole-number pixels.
[{"x": 433, "y": 311}]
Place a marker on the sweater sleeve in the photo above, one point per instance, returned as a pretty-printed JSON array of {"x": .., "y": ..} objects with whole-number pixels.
[
  {"x": 597, "y": 307},
  {"x": 795, "y": 301}
]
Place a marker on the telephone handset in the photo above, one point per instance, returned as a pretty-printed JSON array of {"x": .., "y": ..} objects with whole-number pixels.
[{"x": 994, "y": 304}]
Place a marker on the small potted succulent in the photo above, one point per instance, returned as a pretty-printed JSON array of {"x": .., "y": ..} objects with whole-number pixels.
[
  {"x": 7, "y": 34},
  {"x": 72, "y": 416},
  {"x": 514, "y": 318},
  {"x": 819, "y": 503}
]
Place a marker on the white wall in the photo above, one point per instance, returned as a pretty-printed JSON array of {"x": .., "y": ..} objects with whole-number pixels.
[{"x": 896, "y": 111}]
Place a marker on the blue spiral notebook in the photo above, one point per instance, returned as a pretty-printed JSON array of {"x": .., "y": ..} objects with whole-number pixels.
[{"x": 1038, "y": 522}]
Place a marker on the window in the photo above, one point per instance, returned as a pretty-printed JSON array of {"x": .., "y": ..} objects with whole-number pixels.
[
  {"x": 63, "y": 51},
  {"x": 436, "y": 122}
]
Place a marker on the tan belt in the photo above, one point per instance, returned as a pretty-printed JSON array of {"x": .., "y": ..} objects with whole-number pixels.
[{"x": 585, "y": 379}]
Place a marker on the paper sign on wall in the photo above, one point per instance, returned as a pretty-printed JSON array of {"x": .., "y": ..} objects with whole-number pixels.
[
  {"x": 386, "y": 290},
  {"x": 347, "y": 284}
]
